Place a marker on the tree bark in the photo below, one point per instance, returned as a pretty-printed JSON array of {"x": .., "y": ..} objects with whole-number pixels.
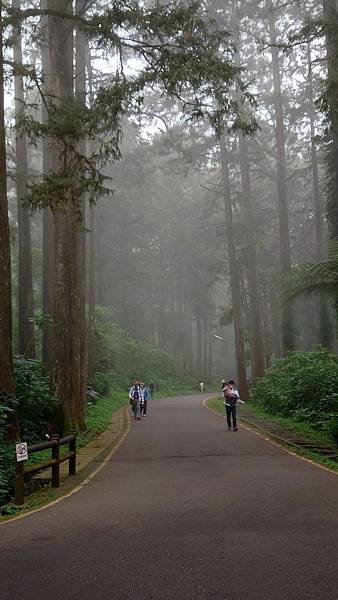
[
  {"x": 205, "y": 347},
  {"x": 91, "y": 292},
  {"x": 255, "y": 309},
  {"x": 68, "y": 322},
  {"x": 234, "y": 276},
  {"x": 48, "y": 221},
  {"x": 324, "y": 318},
  {"x": 91, "y": 253},
  {"x": 331, "y": 29},
  {"x": 287, "y": 316},
  {"x": 199, "y": 366},
  {"x": 80, "y": 238},
  {"x": 210, "y": 354},
  {"x": 26, "y": 337},
  {"x": 6, "y": 362}
]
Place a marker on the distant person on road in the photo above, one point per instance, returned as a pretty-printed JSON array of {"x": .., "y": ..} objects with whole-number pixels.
[
  {"x": 144, "y": 399},
  {"x": 231, "y": 397},
  {"x": 135, "y": 399},
  {"x": 152, "y": 388},
  {"x": 202, "y": 386},
  {"x": 223, "y": 384}
]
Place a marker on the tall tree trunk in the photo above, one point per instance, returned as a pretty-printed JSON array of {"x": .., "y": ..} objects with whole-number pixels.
[
  {"x": 181, "y": 336},
  {"x": 331, "y": 29},
  {"x": 91, "y": 292},
  {"x": 162, "y": 321},
  {"x": 26, "y": 338},
  {"x": 48, "y": 221},
  {"x": 68, "y": 320},
  {"x": 275, "y": 323},
  {"x": 205, "y": 347},
  {"x": 287, "y": 315},
  {"x": 255, "y": 309},
  {"x": 189, "y": 334},
  {"x": 234, "y": 276},
  {"x": 210, "y": 353},
  {"x": 324, "y": 319},
  {"x": 6, "y": 362},
  {"x": 199, "y": 365},
  {"x": 267, "y": 330},
  {"x": 162, "y": 326},
  {"x": 91, "y": 254},
  {"x": 80, "y": 238}
]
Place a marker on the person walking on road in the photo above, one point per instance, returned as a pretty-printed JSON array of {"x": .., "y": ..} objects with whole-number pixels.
[
  {"x": 144, "y": 399},
  {"x": 231, "y": 397},
  {"x": 135, "y": 399}
]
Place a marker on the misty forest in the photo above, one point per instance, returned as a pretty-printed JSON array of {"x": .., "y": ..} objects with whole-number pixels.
[{"x": 168, "y": 207}]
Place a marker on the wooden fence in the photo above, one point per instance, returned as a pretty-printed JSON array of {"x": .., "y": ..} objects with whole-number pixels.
[{"x": 54, "y": 462}]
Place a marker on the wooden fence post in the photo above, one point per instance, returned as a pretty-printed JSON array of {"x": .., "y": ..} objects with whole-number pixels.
[
  {"x": 72, "y": 460},
  {"x": 19, "y": 483},
  {"x": 56, "y": 467}
]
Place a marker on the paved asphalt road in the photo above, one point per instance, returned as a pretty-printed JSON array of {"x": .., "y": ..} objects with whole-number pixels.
[{"x": 184, "y": 511}]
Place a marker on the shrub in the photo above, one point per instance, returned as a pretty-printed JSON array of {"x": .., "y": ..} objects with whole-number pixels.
[
  {"x": 102, "y": 383},
  {"x": 303, "y": 385},
  {"x": 35, "y": 404},
  {"x": 7, "y": 449}
]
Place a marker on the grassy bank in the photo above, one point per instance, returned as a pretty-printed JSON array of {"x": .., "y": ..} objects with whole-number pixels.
[{"x": 295, "y": 426}]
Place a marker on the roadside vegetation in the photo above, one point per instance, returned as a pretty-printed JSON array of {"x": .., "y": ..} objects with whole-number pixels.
[
  {"x": 300, "y": 394},
  {"x": 118, "y": 360},
  {"x": 303, "y": 389}
]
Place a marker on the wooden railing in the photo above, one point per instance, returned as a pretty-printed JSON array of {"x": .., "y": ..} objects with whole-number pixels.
[{"x": 54, "y": 462}]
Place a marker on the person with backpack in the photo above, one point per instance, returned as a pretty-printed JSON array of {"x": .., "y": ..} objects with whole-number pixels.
[
  {"x": 144, "y": 399},
  {"x": 231, "y": 397},
  {"x": 135, "y": 395}
]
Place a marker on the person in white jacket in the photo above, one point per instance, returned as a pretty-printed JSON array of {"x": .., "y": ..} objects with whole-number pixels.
[{"x": 231, "y": 397}]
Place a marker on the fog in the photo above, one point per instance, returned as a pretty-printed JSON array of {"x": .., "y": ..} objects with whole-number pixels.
[{"x": 177, "y": 179}]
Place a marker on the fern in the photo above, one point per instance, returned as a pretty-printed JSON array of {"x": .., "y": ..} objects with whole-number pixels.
[{"x": 312, "y": 277}]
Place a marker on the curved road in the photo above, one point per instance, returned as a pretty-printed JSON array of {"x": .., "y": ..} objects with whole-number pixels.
[{"x": 185, "y": 510}]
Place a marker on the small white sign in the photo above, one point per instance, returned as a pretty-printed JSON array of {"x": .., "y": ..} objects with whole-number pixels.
[{"x": 21, "y": 451}]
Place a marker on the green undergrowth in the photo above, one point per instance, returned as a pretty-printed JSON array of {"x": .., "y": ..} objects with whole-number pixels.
[
  {"x": 302, "y": 429},
  {"x": 302, "y": 387},
  {"x": 98, "y": 415}
]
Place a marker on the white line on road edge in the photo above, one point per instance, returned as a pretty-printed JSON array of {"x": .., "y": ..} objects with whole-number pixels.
[
  {"x": 78, "y": 487},
  {"x": 267, "y": 439}
]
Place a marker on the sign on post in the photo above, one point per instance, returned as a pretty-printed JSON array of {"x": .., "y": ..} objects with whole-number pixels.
[{"x": 21, "y": 451}]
